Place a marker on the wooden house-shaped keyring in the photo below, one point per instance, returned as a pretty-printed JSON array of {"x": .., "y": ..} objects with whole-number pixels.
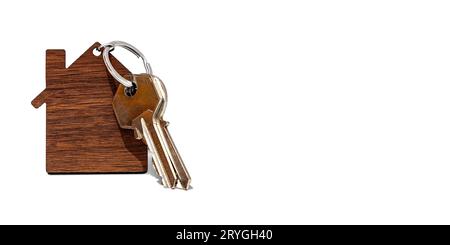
[{"x": 82, "y": 133}]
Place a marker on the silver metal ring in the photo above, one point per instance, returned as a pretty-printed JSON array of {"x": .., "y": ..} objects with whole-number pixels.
[{"x": 108, "y": 47}]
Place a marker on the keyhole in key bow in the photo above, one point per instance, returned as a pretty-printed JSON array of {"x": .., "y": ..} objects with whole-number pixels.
[{"x": 130, "y": 91}]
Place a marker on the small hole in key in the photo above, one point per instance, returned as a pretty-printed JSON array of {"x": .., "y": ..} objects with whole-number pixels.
[{"x": 130, "y": 91}]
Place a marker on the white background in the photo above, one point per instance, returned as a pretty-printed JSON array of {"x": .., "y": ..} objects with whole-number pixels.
[{"x": 285, "y": 112}]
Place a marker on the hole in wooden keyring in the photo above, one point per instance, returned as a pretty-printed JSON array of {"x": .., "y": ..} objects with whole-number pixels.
[{"x": 96, "y": 52}]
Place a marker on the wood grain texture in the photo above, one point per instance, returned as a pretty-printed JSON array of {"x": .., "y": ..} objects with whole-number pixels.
[{"x": 83, "y": 135}]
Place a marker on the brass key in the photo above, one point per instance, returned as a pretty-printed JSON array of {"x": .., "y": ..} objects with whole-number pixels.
[{"x": 141, "y": 108}]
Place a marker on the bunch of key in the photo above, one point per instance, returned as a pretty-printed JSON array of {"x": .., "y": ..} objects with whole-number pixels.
[{"x": 139, "y": 105}]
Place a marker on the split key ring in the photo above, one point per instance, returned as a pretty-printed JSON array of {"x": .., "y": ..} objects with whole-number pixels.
[{"x": 108, "y": 47}]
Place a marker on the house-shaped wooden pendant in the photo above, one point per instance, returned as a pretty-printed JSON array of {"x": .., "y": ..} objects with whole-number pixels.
[{"x": 83, "y": 135}]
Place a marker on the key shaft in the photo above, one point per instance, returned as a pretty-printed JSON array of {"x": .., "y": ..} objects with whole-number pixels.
[
  {"x": 144, "y": 124},
  {"x": 178, "y": 164}
]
